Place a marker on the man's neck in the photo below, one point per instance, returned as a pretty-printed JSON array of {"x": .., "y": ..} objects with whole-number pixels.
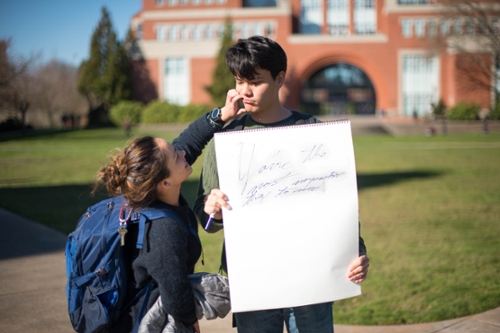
[{"x": 271, "y": 115}]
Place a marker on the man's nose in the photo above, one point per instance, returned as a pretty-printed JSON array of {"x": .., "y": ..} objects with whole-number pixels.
[{"x": 244, "y": 89}]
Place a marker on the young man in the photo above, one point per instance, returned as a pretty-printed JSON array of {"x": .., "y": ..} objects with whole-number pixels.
[{"x": 259, "y": 68}]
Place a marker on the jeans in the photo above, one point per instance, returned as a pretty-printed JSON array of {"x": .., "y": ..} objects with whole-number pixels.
[{"x": 316, "y": 318}]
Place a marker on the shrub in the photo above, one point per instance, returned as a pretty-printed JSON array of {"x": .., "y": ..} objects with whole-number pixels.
[
  {"x": 160, "y": 112},
  {"x": 12, "y": 124},
  {"x": 191, "y": 112},
  {"x": 126, "y": 110},
  {"x": 464, "y": 111},
  {"x": 495, "y": 112},
  {"x": 439, "y": 109},
  {"x": 163, "y": 112}
]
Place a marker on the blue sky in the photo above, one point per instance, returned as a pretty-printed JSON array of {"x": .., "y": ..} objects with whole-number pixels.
[{"x": 59, "y": 29}]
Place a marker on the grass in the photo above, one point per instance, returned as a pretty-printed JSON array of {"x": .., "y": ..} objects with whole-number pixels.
[{"x": 429, "y": 211}]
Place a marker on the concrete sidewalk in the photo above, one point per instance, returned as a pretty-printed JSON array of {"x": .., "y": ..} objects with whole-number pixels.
[{"x": 33, "y": 279}]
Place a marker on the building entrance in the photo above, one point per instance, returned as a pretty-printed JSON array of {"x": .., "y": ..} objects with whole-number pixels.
[{"x": 338, "y": 89}]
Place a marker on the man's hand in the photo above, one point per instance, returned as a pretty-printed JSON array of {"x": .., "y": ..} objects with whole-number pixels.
[
  {"x": 231, "y": 110},
  {"x": 215, "y": 201},
  {"x": 359, "y": 269}
]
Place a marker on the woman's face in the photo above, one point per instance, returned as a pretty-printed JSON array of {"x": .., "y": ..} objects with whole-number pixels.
[{"x": 177, "y": 165}]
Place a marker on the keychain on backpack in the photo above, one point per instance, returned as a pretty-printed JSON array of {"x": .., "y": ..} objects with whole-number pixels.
[{"x": 122, "y": 229}]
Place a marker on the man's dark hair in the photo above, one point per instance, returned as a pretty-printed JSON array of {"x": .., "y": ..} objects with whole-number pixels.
[{"x": 257, "y": 52}]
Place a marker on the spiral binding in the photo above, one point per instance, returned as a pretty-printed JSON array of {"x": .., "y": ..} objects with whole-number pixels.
[{"x": 336, "y": 121}]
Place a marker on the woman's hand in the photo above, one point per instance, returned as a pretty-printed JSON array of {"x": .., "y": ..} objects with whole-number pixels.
[
  {"x": 231, "y": 110},
  {"x": 359, "y": 269},
  {"x": 215, "y": 201},
  {"x": 196, "y": 327}
]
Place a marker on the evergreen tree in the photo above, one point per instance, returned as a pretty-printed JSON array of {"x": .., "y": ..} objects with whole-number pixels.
[
  {"x": 222, "y": 78},
  {"x": 105, "y": 76}
]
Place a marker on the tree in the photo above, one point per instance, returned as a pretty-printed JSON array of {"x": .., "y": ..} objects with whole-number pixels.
[
  {"x": 55, "y": 93},
  {"x": 105, "y": 76},
  {"x": 222, "y": 78},
  {"x": 474, "y": 38},
  {"x": 143, "y": 88},
  {"x": 15, "y": 85}
]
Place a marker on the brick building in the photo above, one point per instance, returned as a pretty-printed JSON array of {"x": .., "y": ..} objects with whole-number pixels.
[{"x": 344, "y": 56}]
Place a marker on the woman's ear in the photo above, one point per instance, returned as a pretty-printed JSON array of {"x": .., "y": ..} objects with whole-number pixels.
[{"x": 164, "y": 183}]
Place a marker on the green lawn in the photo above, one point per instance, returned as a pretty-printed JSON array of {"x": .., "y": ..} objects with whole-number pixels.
[{"x": 429, "y": 210}]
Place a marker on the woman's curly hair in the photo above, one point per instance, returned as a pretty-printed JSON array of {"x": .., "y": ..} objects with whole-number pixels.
[{"x": 134, "y": 172}]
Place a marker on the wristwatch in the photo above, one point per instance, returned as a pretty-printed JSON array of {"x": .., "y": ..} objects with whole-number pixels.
[{"x": 214, "y": 118}]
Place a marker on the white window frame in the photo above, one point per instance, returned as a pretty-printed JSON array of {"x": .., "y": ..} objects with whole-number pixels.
[
  {"x": 419, "y": 82},
  {"x": 444, "y": 28},
  {"x": 419, "y": 27},
  {"x": 432, "y": 28},
  {"x": 407, "y": 27},
  {"x": 176, "y": 80},
  {"x": 160, "y": 33},
  {"x": 311, "y": 16},
  {"x": 338, "y": 17},
  {"x": 365, "y": 17}
]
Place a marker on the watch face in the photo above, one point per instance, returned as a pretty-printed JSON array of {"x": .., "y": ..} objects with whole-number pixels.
[{"x": 215, "y": 114}]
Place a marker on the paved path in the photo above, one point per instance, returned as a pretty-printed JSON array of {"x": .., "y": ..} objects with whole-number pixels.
[{"x": 33, "y": 300}]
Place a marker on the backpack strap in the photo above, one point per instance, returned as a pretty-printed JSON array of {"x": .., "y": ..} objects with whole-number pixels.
[{"x": 150, "y": 214}]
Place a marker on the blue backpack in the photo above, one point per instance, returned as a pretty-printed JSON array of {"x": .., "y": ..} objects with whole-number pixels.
[{"x": 96, "y": 272}]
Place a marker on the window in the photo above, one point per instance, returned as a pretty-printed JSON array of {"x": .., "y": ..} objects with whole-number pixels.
[
  {"x": 412, "y": 2},
  {"x": 172, "y": 2},
  {"x": 444, "y": 28},
  {"x": 139, "y": 31},
  {"x": 185, "y": 32},
  {"x": 183, "y": 2},
  {"x": 457, "y": 26},
  {"x": 432, "y": 28},
  {"x": 196, "y": 2},
  {"x": 160, "y": 2},
  {"x": 196, "y": 32},
  {"x": 311, "y": 17},
  {"x": 270, "y": 30},
  {"x": 176, "y": 85},
  {"x": 209, "y": 33},
  {"x": 419, "y": 28},
  {"x": 219, "y": 30},
  {"x": 259, "y": 29},
  {"x": 338, "y": 17},
  {"x": 406, "y": 27},
  {"x": 365, "y": 17},
  {"x": 495, "y": 26},
  {"x": 173, "y": 33},
  {"x": 420, "y": 84},
  {"x": 259, "y": 3},
  {"x": 160, "y": 33},
  {"x": 208, "y": 2},
  {"x": 470, "y": 27}
]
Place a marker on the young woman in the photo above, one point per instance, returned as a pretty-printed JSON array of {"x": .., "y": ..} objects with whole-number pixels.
[{"x": 149, "y": 173}]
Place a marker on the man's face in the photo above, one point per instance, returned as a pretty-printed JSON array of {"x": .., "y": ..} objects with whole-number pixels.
[{"x": 261, "y": 93}]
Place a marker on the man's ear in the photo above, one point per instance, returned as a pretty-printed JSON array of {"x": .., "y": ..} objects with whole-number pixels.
[{"x": 280, "y": 79}]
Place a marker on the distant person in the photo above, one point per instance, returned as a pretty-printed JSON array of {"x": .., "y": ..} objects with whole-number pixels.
[
  {"x": 127, "y": 127},
  {"x": 259, "y": 68},
  {"x": 149, "y": 173}
]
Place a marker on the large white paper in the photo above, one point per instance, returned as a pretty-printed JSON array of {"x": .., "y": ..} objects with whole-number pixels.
[{"x": 292, "y": 232}]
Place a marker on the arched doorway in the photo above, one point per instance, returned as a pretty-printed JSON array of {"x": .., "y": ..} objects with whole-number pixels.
[{"x": 338, "y": 89}]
